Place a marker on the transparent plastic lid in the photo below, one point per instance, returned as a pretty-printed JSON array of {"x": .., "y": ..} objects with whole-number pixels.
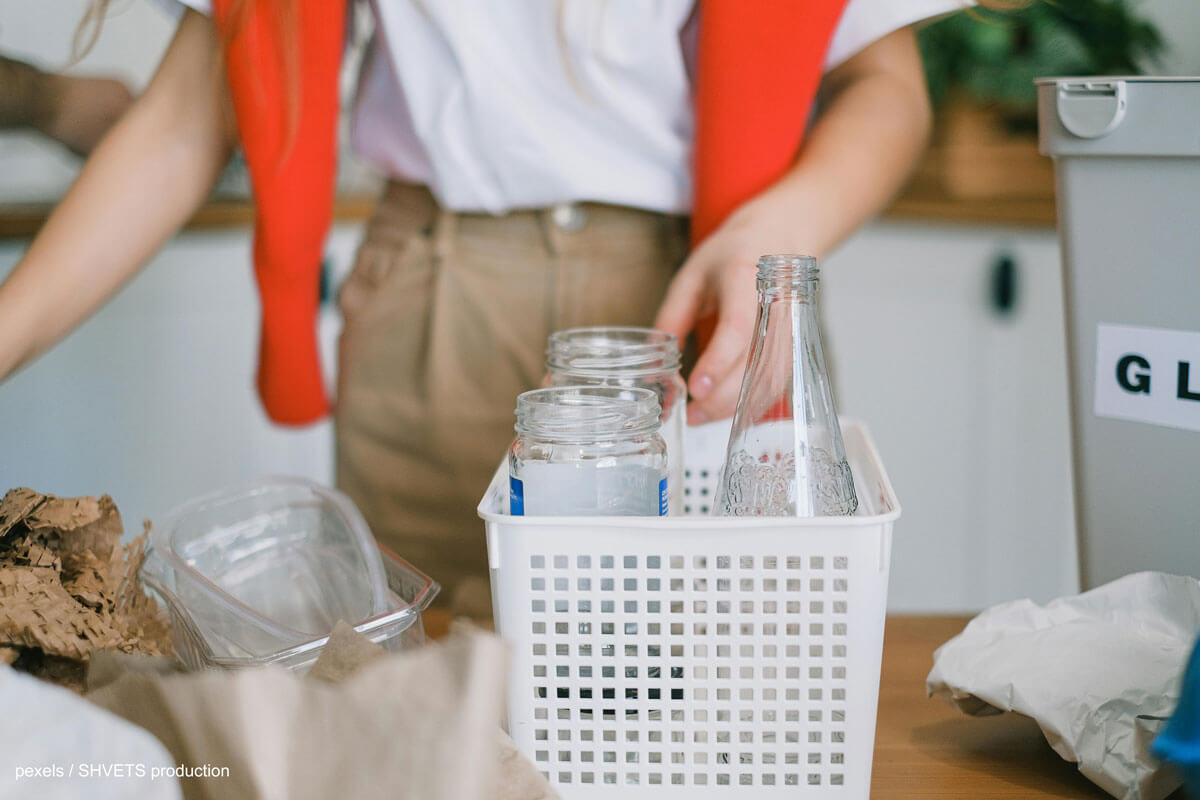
[{"x": 268, "y": 564}]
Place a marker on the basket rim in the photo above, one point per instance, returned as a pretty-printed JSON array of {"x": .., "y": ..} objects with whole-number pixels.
[{"x": 852, "y": 428}]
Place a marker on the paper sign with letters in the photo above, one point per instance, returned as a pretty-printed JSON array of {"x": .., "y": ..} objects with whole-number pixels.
[{"x": 1148, "y": 375}]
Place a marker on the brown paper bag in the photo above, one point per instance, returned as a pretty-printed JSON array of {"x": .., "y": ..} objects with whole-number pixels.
[
  {"x": 516, "y": 779},
  {"x": 416, "y": 725}
]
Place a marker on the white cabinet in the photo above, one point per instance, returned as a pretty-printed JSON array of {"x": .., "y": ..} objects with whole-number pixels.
[
  {"x": 152, "y": 400},
  {"x": 967, "y": 403}
]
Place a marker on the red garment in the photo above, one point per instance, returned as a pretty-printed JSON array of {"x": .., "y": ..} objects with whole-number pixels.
[
  {"x": 758, "y": 68},
  {"x": 757, "y": 71},
  {"x": 292, "y": 165}
]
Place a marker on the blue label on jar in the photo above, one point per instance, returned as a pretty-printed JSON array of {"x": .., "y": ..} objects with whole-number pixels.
[
  {"x": 662, "y": 498},
  {"x": 516, "y": 497}
]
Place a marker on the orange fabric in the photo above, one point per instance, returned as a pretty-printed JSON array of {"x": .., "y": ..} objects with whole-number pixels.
[
  {"x": 757, "y": 71},
  {"x": 292, "y": 164},
  {"x": 758, "y": 68}
]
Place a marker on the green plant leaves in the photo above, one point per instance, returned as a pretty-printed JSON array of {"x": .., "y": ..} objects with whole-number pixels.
[{"x": 994, "y": 56}]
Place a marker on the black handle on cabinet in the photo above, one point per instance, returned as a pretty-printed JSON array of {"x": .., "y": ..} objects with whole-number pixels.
[
  {"x": 1005, "y": 285},
  {"x": 325, "y": 289}
]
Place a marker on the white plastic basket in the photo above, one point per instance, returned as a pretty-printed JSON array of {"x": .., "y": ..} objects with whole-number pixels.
[{"x": 697, "y": 656}]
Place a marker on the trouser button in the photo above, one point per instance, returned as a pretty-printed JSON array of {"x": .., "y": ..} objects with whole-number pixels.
[{"x": 569, "y": 217}]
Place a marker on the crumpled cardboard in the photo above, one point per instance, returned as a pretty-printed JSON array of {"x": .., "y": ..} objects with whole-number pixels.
[
  {"x": 67, "y": 587},
  {"x": 362, "y": 724},
  {"x": 1099, "y": 672}
]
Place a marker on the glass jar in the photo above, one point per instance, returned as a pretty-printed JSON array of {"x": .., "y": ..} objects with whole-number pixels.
[
  {"x": 785, "y": 454},
  {"x": 588, "y": 450},
  {"x": 628, "y": 357}
]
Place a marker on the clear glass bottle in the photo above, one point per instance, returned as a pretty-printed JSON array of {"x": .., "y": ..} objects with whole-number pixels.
[
  {"x": 629, "y": 357},
  {"x": 785, "y": 455},
  {"x": 588, "y": 450}
]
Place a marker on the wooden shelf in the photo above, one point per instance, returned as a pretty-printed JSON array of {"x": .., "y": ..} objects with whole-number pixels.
[
  {"x": 926, "y": 201},
  {"x": 977, "y": 171},
  {"x": 974, "y": 172},
  {"x": 918, "y": 202},
  {"x": 22, "y": 221}
]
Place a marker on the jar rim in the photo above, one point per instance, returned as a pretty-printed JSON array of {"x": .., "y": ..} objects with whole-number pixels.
[
  {"x": 608, "y": 350},
  {"x": 587, "y": 412}
]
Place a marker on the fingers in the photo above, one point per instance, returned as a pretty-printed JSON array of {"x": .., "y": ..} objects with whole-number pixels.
[
  {"x": 681, "y": 306},
  {"x": 721, "y": 402},
  {"x": 716, "y": 380},
  {"x": 718, "y": 371},
  {"x": 713, "y": 281}
]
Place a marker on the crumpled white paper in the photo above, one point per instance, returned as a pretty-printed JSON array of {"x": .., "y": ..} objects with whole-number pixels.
[
  {"x": 76, "y": 749},
  {"x": 1098, "y": 671}
]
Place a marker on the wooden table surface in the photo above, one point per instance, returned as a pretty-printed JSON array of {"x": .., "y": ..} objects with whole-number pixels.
[{"x": 926, "y": 749}]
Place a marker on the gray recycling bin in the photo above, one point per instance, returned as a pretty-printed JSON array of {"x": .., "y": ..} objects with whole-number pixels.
[{"x": 1127, "y": 167}]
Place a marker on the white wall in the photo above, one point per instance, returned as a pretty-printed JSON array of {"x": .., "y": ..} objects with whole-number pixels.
[
  {"x": 1179, "y": 23},
  {"x": 968, "y": 407},
  {"x": 131, "y": 42},
  {"x": 152, "y": 400}
]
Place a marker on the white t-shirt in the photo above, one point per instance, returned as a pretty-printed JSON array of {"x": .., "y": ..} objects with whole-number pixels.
[{"x": 530, "y": 103}]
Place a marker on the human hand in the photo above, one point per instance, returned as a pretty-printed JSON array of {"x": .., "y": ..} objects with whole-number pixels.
[
  {"x": 718, "y": 279},
  {"x": 81, "y": 110}
]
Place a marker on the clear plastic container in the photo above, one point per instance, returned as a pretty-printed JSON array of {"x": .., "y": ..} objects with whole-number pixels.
[
  {"x": 398, "y": 629},
  {"x": 643, "y": 358},
  {"x": 266, "y": 566}
]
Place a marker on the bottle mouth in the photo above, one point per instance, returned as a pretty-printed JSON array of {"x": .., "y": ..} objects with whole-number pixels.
[
  {"x": 793, "y": 269},
  {"x": 594, "y": 412},
  {"x": 602, "y": 351}
]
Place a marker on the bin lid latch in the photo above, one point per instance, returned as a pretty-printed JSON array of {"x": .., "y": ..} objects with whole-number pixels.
[{"x": 1091, "y": 109}]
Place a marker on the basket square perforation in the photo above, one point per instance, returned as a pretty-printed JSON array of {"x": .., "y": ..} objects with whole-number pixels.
[{"x": 690, "y": 670}]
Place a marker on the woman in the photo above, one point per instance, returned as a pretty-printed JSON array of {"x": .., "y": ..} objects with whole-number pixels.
[{"x": 540, "y": 179}]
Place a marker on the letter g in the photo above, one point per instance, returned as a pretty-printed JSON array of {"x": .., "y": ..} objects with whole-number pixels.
[{"x": 1141, "y": 380}]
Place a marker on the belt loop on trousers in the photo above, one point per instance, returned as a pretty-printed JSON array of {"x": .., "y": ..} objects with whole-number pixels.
[
  {"x": 444, "y": 227},
  {"x": 551, "y": 232}
]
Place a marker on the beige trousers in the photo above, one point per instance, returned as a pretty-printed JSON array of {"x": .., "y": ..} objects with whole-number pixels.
[{"x": 446, "y": 319}]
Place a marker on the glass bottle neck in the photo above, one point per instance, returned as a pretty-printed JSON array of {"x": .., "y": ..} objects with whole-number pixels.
[
  {"x": 787, "y": 277},
  {"x": 805, "y": 294}
]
